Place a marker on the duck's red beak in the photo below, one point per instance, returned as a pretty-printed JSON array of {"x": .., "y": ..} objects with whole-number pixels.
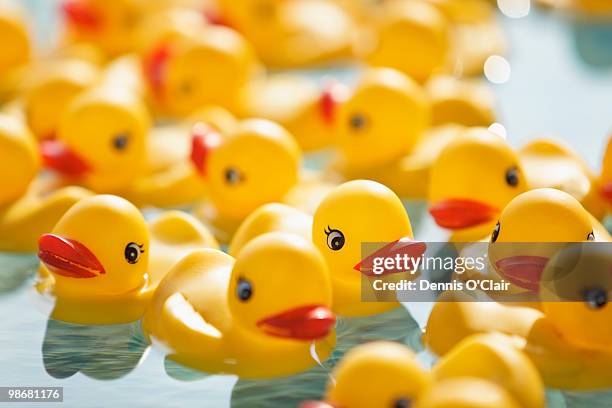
[
  {"x": 606, "y": 191},
  {"x": 405, "y": 246},
  {"x": 155, "y": 65},
  {"x": 331, "y": 98},
  {"x": 82, "y": 15},
  {"x": 58, "y": 157},
  {"x": 462, "y": 213},
  {"x": 67, "y": 257},
  {"x": 204, "y": 139},
  {"x": 303, "y": 323},
  {"x": 524, "y": 271}
]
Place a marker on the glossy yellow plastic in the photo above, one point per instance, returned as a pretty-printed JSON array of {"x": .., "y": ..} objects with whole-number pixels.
[
  {"x": 117, "y": 287},
  {"x": 17, "y": 48},
  {"x": 196, "y": 311}
]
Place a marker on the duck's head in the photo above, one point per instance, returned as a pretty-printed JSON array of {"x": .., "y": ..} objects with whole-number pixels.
[
  {"x": 280, "y": 287},
  {"x": 108, "y": 24},
  {"x": 383, "y": 119},
  {"x": 257, "y": 163},
  {"x": 606, "y": 174},
  {"x": 474, "y": 177},
  {"x": 576, "y": 295},
  {"x": 52, "y": 91},
  {"x": 191, "y": 70},
  {"x": 19, "y": 159},
  {"x": 99, "y": 247},
  {"x": 358, "y": 212},
  {"x": 101, "y": 139},
  {"x": 534, "y": 217},
  {"x": 14, "y": 37},
  {"x": 377, "y": 374}
]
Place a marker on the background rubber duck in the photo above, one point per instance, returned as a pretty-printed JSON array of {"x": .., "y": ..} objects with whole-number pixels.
[
  {"x": 102, "y": 262},
  {"x": 482, "y": 371},
  {"x": 17, "y": 48},
  {"x": 243, "y": 316},
  {"x": 29, "y": 207},
  {"x": 606, "y": 177},
  {"x": 472, "y": 180},
  {"x": 291, "y": 33}
]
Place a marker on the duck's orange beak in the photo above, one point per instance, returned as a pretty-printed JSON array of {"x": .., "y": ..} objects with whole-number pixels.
[
  {"x": 405, "y": 246},
  {"x": 59, "y": 157},
  {"x": 303, "y": 323},
  {"x": 524, "y": 271},
  {"x": 331, "y": 98},
  {"x": 606, "y": 191},
  {"x": 155, "y": 65},
  {"x": 204, "y": 139},
  {"x": 67, "y": 257},
  {"x": 462, "y": 213},
  {"x": 82, "y": 15}
]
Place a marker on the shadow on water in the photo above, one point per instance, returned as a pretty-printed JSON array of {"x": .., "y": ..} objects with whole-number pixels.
[
  {"x": 100, "y": 352},
  {"x": 16, "y": 270}
]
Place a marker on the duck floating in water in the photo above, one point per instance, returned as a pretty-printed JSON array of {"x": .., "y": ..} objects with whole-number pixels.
[
  {"x": 259, "y": 315},
  {"x": 102, "y": 262}
]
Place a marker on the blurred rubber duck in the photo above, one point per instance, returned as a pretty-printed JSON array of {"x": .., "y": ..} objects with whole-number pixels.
[
  {"x": 241, "y": 316},
  {"x": 592, "y": 8},
  {"x": 296, "y": 103},
  {"x": 473, "y": 179},
  {"x": 16, "y": 45},
  {"x": 606, "y": 177},
  {"x": 190, "y": 66},
  {"x": 292, "y": 33},
  {"x": 569, "y": 340},
  {"x": 482, "y": 371},
  {"x": 549, "y": 163},
  {"x": 102, "y": 262},
  {"x": 29, "y": 207}
]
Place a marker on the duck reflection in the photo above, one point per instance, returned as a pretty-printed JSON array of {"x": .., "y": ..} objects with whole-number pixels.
[{"x": 100, "y": 352}]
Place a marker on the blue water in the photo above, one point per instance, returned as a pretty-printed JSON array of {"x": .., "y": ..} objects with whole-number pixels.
[{"x": 561, "y": 85}]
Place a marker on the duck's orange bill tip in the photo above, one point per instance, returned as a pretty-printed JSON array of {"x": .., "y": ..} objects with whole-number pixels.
[
  {"x": 304, "y": 323},
  {"x": 68, "y": 257},
  {"x": 82, "y": 15},
  {"x": 58, "y": 157},
  {"x": 155, "y": 67},
  {"x": 402, "y": 247},
  {"x": 331, "y": 97},
  {"x": 606, "y": 191},
  {"x": 317, "y": 404},
  {"x": 462, "y": 213},
  {"x": 524, "y": 271},
  {"x": 204, "y": 139}
]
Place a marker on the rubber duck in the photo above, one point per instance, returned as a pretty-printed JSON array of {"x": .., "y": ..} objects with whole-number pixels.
[
  {"x": 17, "y": 48},
  {"x": 298, "y": 104},
  {"x": 606, "y": 176},
  {"x": 102, "y": 261},
  {"x": 588, "y": 7},
  {"x": 238, "y": 168},
  {"x": 241, "y": 316},
  {"x": 481, "y": 371},
  {"x": 186, "y": 70},
  {"x": 29, "y": 206},
  {"x": 549, "y": 163},
  {"x": 473, "y": 179},
  {"x": 292, "y": 33},
  {"x": 568, "y": 340}
]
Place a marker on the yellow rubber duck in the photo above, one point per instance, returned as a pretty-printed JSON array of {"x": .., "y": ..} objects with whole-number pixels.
[
  {"x": 243, "y": 316},
  {"x": 483, "y": 371},
  {"x": 29, "y": 207},
  {"x": 606, "y": 177},
  {"x": 202, "y": 66},
  {"x": 589, "y": 7},
  {"x": 102, "y": 262},
  {"x": 473, "y": 179},
  {"x": 16, "y": 45},
  {"x": 292, "y": 33},
  {"x": 569, "y": 339},
  {"x": 549, "y": 163}
]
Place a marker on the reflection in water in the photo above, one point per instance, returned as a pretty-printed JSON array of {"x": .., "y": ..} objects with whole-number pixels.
[
  {"x": 396, "y": 325},
  {"x": 15, "y": 270},
  {"x": 100, "y": 352},
  {"x": 593, "y": 42},
  {"x": 180, "y": 372}
]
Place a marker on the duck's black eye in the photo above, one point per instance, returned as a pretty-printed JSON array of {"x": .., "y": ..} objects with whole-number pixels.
[
  {"x": 232, "y": 176},
  {"x": 244, "y": 290},
  {"x": 120, "y": 141},
  {"x": 357, "y": 121},
  {"x": 596, "y": 297},
  {"x": 335, "y": 239},
  {"x": 591, "y": 236},
  {"x": 512, "y": 178},
  {"x": 402, "y": 403},
  {"x": 495, "y": 233},
  {"x": 132, "y": 252}
]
